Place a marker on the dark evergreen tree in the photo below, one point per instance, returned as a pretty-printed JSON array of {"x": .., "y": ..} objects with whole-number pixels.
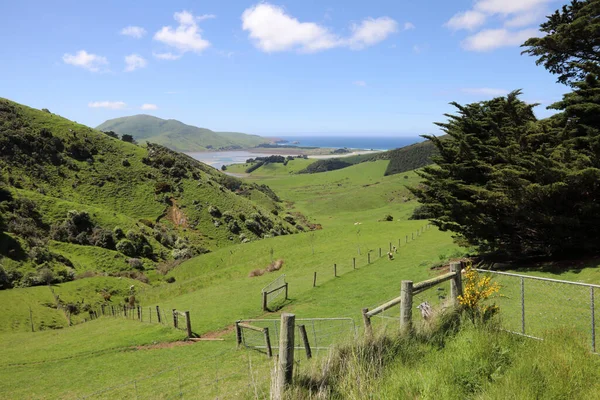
[{"x": 571, "y": 46}]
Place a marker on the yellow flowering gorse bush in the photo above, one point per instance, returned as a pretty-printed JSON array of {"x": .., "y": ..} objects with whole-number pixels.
[{"x": 476, "y": 290}]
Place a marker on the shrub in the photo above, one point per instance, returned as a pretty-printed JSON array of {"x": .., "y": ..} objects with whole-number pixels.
[
  {"x": 214, "y": 211},
  {"x": 181, "y": 254},
  {"x": 126, "y": 163},
  {"x": 476, "y": 290},
  {"x": 127, "y": 138},
  {"x": 45, "y": 276},
  {"x": 388, "y": 217},
  {"x": 103, "y": 238},
  {"x": 253, "y": 226},
  {"x": 126, "y": 247},
  {"x": 242, "y": 217},
  {"x": 289, "y": 219},
  {"x": 233, "y": 227},
  {"x": 170, "y": 279},
  {"x": 227, "y": 216},
  {"x": 118, "y": 233},
  {"x": 136, "y": 263},
  {"x": 162, "y": 187}
]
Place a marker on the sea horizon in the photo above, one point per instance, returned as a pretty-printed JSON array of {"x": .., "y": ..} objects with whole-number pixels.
[{"x": 351, "y": 142}]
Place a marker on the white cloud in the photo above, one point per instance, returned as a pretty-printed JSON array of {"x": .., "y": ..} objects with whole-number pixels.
[
  {"x": 186, "y": 37},
  {"x": 148, "y": 106},
  {"x": 272, "y": 29},
  {"x": 133, "y": 62},
  {"x": 525, "y": 19},
  {"x": 506, "y": 7},
  {"x": 371, "y": 31},
  {"x": 167, "y": 56},
  {"x": 485, "y": 91},
  {"x": 205, "y": 16},
  {"x": 83, "y": 59},
  {"x": 466, "y": 20},
  {"x": 133, "y": 31},
  {"x": 408, "y": 26},
  {"x": 491, "y": 39},
  {"x": 360, "y": 83},
  {"x": 112, "y": 105}
]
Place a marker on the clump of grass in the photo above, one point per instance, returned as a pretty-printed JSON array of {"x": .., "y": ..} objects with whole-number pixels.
[
  {"x": 275, "y": 266},
  {"x": 256, "y": 272}
]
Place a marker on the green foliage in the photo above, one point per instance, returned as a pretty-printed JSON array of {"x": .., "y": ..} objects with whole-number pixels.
[
  {"x": 178, "y": 136},
  {"x": 330, "y": 164},
  {"x": 570, "y": 45},
  {"x": 514, "y": 186}
]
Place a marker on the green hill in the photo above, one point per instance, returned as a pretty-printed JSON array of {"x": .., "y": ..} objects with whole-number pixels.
[
  {"x": 76, "y": 201},
  {"x": 177, "y": 135}
]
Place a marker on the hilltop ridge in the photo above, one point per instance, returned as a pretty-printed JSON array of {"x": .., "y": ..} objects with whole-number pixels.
[{"x": 178, "y": 136}]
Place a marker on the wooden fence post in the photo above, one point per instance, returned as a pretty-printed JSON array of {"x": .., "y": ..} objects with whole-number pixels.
[
  {"x": 174, "y": 318},
  {"x": 125, "y": 311},
  {"x": 238, "y": 333},
  {"x": 150, "y": 313},
  {"x": 315, "y": 279},
  {"x": 406, "y": 306},
  {"x": 158, "y": 313},
  {"x": 456, "y": 282},
  {"x": 286, "y": 291},
  {"x": 304, "y": 336},
  {"x": 268, "y": 342},
  {"x": 285, "y": 366},
  {"x": 139, "y": 313},
  {"x": 335, "y": 270},
  {"x": 188, "y": 324},
  {"x": 367, "y": 321},
  {"x": 380, "y": 252},
  {"x": 353, "y": 262},
  {"x": 264, "y": 301}
]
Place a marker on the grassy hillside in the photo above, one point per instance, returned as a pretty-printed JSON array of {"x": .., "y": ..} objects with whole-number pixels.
[
  {"x": 74, "y": 199},
  {"x": 177, "y": 135}
]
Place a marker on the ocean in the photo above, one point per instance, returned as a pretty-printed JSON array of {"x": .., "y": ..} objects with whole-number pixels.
[
  {"x": 217, "y": 159},
  {"x": 354, "y": 142}
]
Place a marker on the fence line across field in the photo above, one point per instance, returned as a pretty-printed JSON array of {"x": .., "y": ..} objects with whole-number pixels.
[
  {"x": 531, "y": 305},
  {"x": 321, "y": 333}
]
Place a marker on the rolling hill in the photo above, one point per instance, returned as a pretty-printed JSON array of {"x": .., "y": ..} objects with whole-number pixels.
[
  {"x": 76, "y": 201},
  {"x": 177, "y": 135}
]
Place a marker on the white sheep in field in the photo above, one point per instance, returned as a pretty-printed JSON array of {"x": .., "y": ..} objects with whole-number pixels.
[{"x": 390, "y": 255}]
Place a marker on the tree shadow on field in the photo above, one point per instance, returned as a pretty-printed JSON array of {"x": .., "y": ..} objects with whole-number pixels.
[{"x": 555, "y": 267}]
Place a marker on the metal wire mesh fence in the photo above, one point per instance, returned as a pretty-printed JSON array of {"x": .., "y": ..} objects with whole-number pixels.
[
  {"x": 224, "y": 376},
  {"x": 322, "y": 333},
  {"x": 532, "y": 306},
  {"x": 273, "y": 290}
]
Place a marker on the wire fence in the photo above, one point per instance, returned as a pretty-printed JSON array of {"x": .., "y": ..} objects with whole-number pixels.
[
  {"x": 322, "y": 333},
  {"x": 531, "y": 305},
  {"x": 228, "y": 375},
  {"x": 273, "y": 290}
]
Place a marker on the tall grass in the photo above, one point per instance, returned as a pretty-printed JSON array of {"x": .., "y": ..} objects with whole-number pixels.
[{"x": 453, "y": 358}]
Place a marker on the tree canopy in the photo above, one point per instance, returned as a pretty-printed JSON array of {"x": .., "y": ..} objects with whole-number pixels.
[
  {"x": 571, "y": 46},
  {"x": 519, "y": 187}
]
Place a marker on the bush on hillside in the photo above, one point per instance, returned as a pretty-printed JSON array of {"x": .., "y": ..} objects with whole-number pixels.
[{"x": 330, "y": 164}]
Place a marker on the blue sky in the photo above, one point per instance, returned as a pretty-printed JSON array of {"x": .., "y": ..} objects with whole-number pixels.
[{"x": 386, "y": 67}]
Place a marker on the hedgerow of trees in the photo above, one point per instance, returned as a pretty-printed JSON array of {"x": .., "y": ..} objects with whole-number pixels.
[{"x": 518, "y": 187}]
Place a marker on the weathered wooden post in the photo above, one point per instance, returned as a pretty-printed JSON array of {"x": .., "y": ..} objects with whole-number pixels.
[
  {"x": 406, "y": 298},
  {"x": 286, "y": 290},
  {"x": 158, "y": 313},
  {"x": 125, "y": 311},
  {"x": 150, "y": 313},
  {"x": 268, "y": 342},
  {"x": 390, "y": 247},
  {"x": 335, "y": 270},
  {"x": 264, "y": 301},
  {"x": 380, "y": 252},
  {"x": 174, "y": 318},
  {"x": 456, "y": 282},
  {"x": 285, "y": 366},
  {"x": 304, "y": 336},
  {"x": 139, "y": 311},
  {"x": 188, "y": 324},
  {"x": 315, "y": 279},
  {"x": 353, "y": 262},
  {"x": 102, "y": 307},
  {"x": 367, "y": 321},
  {"x": 238, "y": 333}
]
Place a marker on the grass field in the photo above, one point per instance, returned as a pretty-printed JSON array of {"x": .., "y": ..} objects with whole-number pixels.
[{"x": 350, "y": 204}]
